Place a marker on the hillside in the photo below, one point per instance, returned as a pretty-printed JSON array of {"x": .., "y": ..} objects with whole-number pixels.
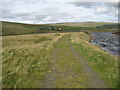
[
  {"x": 10, "y": 28},
  {"x": 85, "y": 24}
]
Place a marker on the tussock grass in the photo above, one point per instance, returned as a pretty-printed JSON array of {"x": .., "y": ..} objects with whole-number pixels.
[
  {"x": 105, "y": 64},
  {"x": 26, "y": 59}
]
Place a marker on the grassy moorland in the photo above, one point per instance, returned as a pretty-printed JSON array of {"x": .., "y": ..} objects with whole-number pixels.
[
  {"x": 26, "y": 59},
  {"x": 85, "y": 24},
  {"x": 34, "y": 58},
  {"x": 10, "y": 28},
  {"x": 105, "y": 64}
]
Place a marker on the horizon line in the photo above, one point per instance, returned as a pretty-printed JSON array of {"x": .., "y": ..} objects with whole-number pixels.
[{"x": 61, "y": 22}]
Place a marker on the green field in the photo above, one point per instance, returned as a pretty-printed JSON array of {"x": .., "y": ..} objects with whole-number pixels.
[{"x": 34, "y": 58}]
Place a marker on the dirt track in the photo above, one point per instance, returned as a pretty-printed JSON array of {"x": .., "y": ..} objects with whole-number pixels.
[{"x": 68, "y": 51}]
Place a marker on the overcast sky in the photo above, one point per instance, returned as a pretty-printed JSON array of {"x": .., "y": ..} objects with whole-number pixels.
[{"x": 56, "y": 11}]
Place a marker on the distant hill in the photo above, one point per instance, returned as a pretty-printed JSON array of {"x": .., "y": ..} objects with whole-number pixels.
[
  {"x": 110, "y": 26},
  {"x": 85, "y": 24},
  {"x": 12, "y": 28}
]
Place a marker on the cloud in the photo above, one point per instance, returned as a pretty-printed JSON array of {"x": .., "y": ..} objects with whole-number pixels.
[
  {"x": 54, "y": 12},
  {"x": 63, "y": 0},
  {"x": 102, "y": 10}
]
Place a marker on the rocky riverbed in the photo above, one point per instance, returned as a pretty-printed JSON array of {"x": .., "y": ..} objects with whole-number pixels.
[{"x": 107, "y": 41}]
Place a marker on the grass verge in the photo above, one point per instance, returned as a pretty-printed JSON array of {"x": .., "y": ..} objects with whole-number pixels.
[{"x": 105, "y": 64}]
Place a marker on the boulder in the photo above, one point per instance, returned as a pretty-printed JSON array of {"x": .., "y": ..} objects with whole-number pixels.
[{"x": 103, "y": 44}]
